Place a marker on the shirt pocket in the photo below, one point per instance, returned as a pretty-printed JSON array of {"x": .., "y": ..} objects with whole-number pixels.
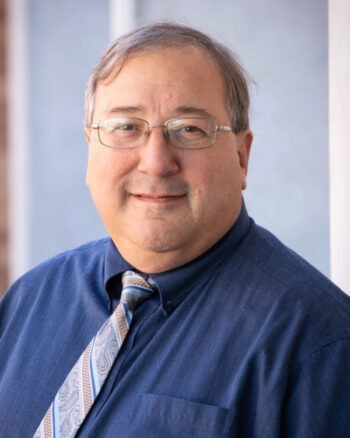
[{"x": 159, "y": 416}]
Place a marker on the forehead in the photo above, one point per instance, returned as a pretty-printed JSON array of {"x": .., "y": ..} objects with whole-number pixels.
[{"x": 163, "y": 80}]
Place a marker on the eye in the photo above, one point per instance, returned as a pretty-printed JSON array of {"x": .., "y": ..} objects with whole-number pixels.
[
  {"x": 191, "y": 128},
  {"x": 112, "y": 127},
  {"x": 191, "y": 131},
  {"x": 126, "y": 127},
  {"x": 115, "y": 126},
  {"x": 184, "y": 128}
]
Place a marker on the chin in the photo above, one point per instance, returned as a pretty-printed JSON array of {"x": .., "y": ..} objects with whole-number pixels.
[
  {"x": 160, "y": 241},
  {"x": 159, "y": 245}
]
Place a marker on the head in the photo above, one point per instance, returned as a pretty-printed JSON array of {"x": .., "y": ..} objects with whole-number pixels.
[
  {"x": 164, "y": 206},
  {"x": 159, "y": 36}
]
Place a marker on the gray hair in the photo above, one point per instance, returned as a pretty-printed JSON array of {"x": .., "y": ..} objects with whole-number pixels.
[{"x": 162, "y": 35}]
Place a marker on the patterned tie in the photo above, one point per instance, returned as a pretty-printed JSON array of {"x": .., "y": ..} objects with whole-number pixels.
[{"x": 85, "y": 380}]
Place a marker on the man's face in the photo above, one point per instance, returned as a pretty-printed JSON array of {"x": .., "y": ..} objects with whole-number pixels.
[{"x": 164, "y": 206}]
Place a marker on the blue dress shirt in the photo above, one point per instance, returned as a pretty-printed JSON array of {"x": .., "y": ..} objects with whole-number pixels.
[{"x": 247, "y": 340}]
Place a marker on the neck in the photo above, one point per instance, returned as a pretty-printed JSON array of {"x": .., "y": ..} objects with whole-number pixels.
[{"x": 155, "y": 262}]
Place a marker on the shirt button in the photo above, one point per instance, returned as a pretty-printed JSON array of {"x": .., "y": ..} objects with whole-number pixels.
[{"x": 168, "y": 307}]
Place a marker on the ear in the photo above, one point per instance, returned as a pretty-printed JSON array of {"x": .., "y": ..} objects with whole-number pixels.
[
  {"x": 87, "y": 132},
  {"x": 245, "y": 139}
]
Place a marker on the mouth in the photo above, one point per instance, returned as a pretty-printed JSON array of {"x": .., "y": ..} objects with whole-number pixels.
[{"x": 159, "y": 198}]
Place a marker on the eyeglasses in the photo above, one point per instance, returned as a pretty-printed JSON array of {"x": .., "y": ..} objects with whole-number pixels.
[{"x": 183, "y": 133}]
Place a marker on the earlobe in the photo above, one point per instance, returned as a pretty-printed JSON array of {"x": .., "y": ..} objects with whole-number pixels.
[
  {"x": 244, "y": 145},
  {"x": 87, "y": 176},
  {"x": 87, "y": 132}
]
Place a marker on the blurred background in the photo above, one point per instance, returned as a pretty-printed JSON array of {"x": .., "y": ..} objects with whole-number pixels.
[{"x": 48, "y": 49}]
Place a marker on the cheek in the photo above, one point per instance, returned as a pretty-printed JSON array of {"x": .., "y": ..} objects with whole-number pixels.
[
  {"x": 217, "y": 183},
  {"x": 107, "y": 168},
  {"x": 204, "y": 178},
  {"x": 215, "y": 173}
]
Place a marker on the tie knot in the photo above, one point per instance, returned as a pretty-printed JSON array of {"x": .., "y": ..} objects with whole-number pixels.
[{"x": 136, "y": 289}]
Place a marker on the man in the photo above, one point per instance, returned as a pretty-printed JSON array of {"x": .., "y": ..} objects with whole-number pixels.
[{"x": 236, "y": 336}]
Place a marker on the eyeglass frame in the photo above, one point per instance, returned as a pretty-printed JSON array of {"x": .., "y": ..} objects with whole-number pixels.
[{"x": 166, "y": 133}]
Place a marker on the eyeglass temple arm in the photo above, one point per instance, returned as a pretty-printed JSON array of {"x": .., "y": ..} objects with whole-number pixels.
[{"x": 224, "y": 128}]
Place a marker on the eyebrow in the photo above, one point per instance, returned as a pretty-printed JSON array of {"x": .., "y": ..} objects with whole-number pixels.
[
  {"x": 125, "y": 109},
  {"x": 184, "y": 109},
  {"x": 187, "y": 109}
]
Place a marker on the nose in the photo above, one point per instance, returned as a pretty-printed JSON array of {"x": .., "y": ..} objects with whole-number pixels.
[{"x": 157, "y": 157}]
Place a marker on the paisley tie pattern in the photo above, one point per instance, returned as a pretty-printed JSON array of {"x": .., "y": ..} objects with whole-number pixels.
[{"x": 76, "y": 396}]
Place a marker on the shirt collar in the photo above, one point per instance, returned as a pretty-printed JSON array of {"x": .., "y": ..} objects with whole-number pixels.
[{"x": 174, "y": 285}]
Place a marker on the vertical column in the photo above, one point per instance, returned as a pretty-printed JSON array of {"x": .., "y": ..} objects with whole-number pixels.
[
  {"x": 122, "y": 17},
  {"x": 3, "y": 151},
  {"x": 339, "y": 140},
  {"x": 18, "y": 180}
]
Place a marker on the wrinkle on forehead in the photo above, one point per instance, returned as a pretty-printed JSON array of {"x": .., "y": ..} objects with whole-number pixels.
[
  {"x": 164, "y": 80},
  {"x": 176, "y": 51}
]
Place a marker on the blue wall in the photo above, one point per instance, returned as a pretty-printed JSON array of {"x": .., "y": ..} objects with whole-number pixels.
[{"x": 66, "y": 39}]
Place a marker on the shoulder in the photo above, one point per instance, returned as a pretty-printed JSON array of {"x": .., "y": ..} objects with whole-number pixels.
[
  {"x": 79, "y": 268},
  {"x": 288, "y": 296},
  {"x": 83, "y": 259},
  {"x": 266, "y": 254}
]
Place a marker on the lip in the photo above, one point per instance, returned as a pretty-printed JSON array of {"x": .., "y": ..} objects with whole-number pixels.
[{"x": 157, "y": 198}]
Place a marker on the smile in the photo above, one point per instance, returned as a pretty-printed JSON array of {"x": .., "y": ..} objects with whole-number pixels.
[{"x": 157, "y": 198}]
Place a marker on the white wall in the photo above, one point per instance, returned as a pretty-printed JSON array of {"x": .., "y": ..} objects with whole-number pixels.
[{"x": 339, "y": 123}]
